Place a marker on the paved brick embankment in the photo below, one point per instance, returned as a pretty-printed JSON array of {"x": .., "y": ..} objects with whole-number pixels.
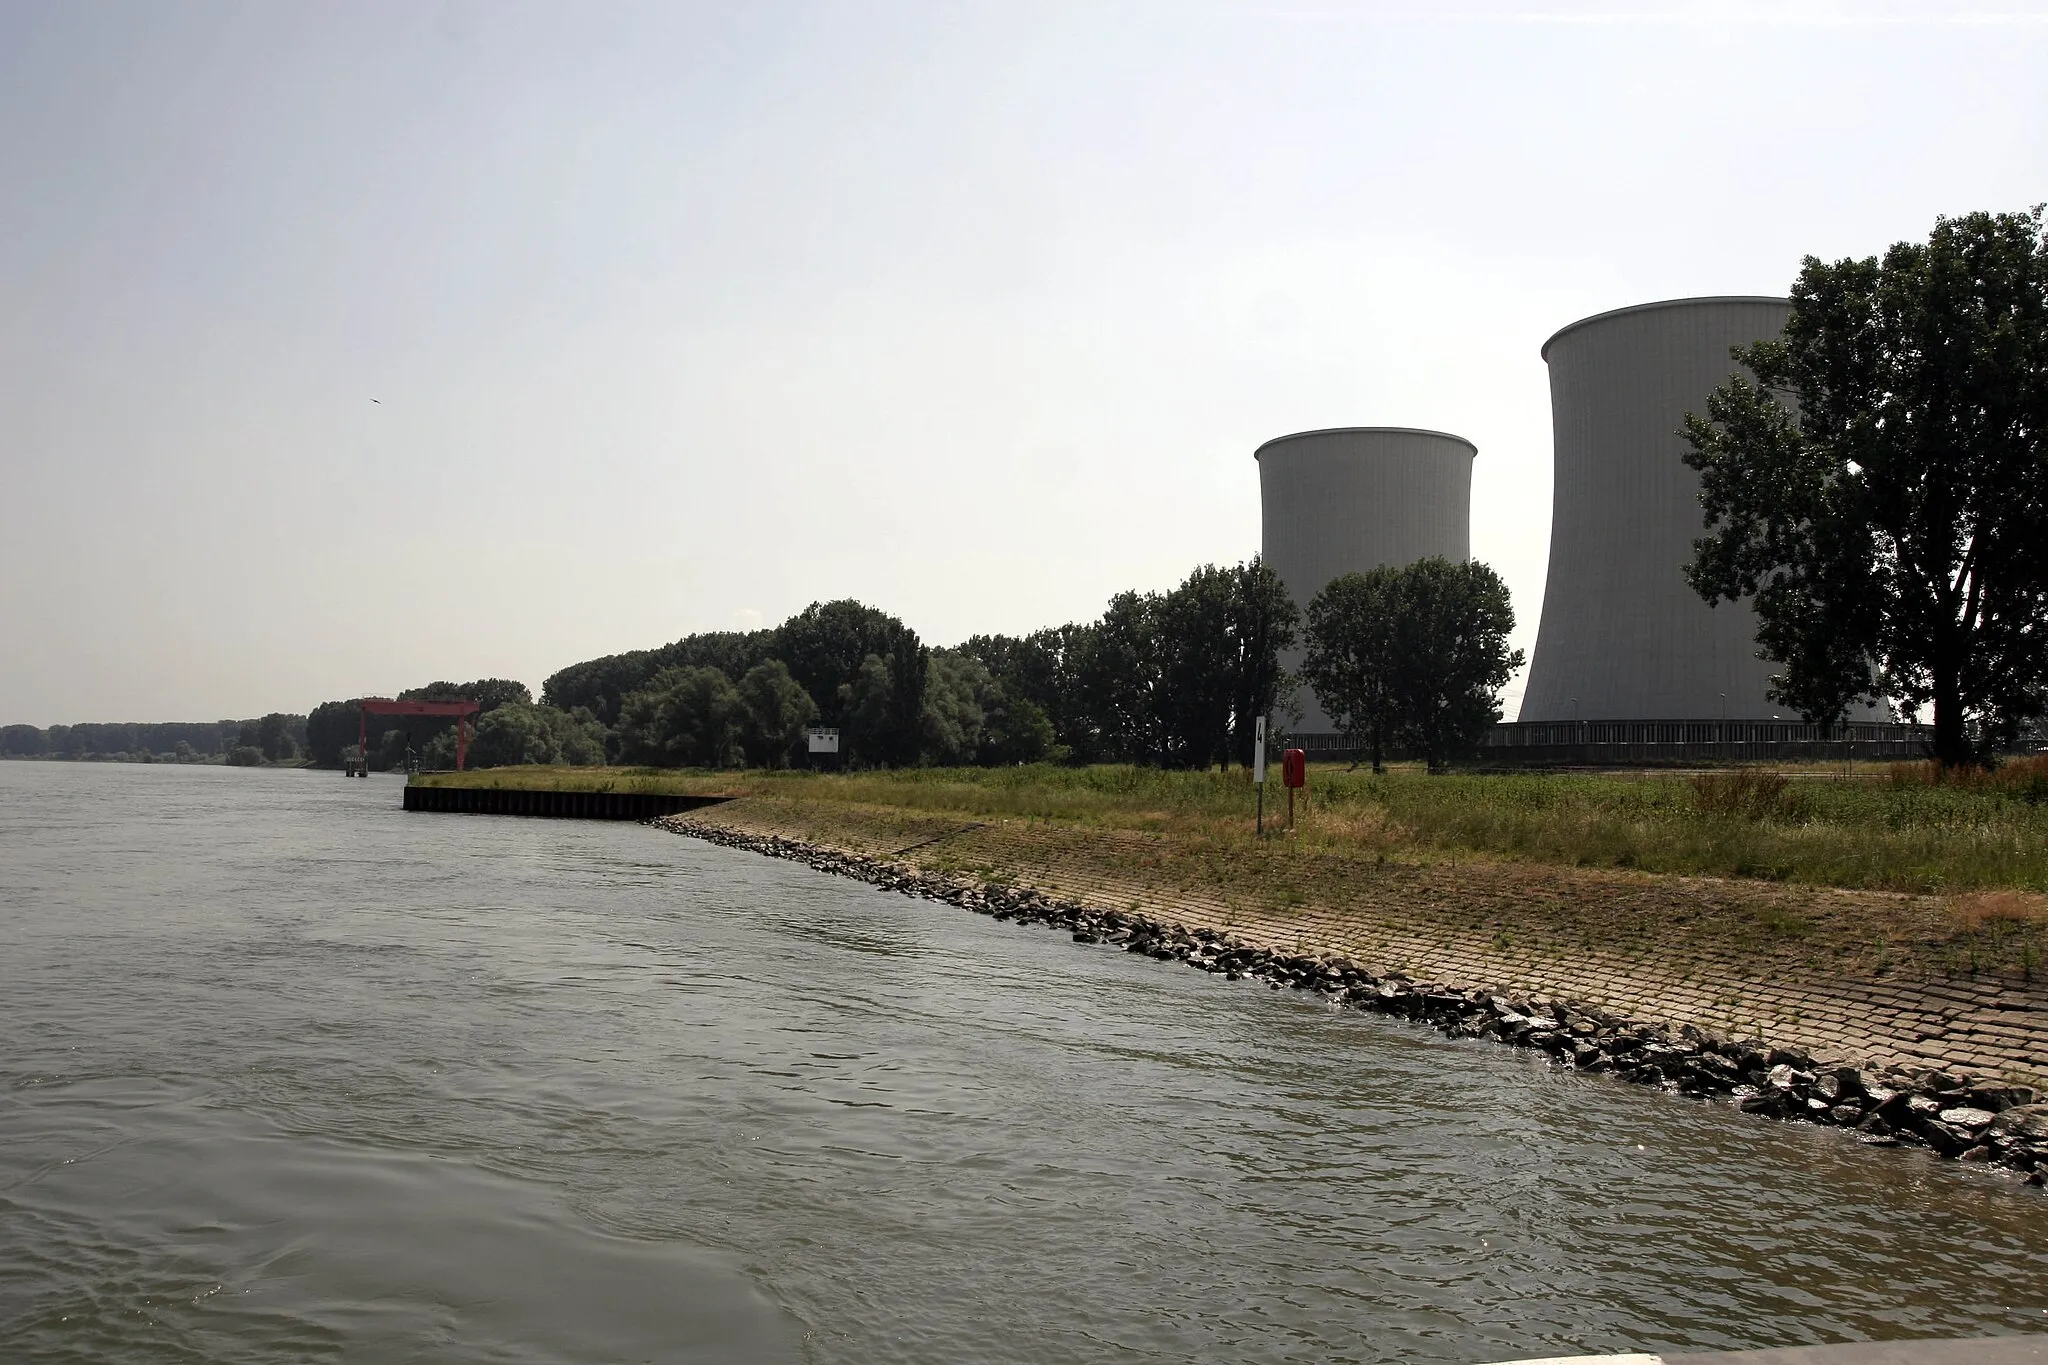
[{"x": 1650, "y": 948}]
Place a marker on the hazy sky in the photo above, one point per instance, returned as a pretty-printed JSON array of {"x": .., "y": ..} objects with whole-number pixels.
[{"x": 683, "y": 316}]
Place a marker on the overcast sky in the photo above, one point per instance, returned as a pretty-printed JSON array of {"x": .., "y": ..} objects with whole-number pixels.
[{"x": 680, "y": 317}]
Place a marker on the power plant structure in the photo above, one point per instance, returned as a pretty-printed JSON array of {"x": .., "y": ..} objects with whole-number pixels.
[
  {"x": 1348, "y": 499},
  {"x": 1623, "y": 635},
  {"x": 1623, "y": 639},
  {"x": 1630, "y": 664}
]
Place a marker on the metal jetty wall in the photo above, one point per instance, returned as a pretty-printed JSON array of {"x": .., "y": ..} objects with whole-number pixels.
[{"x": 561, "y": 805}]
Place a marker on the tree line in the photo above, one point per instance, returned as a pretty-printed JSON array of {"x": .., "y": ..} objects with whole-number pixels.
[
  {"x": 1172, "y": 678},
  {"x": 276, "y": 738},
  {"x": 1175, "y": 679}
]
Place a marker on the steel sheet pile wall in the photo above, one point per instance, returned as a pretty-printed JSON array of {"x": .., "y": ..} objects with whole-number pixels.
[
  {"x": 1353, "y": 498},
  {"x": 1622, "y": 636}
]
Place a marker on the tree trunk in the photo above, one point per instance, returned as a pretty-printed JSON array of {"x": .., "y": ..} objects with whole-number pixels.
[
  {"x": 1951, "y": 741},
  {"x": 1376, "y": 766}
]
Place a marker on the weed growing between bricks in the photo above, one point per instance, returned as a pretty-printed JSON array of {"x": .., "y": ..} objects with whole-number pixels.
[{"x": 1954, "y": 1116}]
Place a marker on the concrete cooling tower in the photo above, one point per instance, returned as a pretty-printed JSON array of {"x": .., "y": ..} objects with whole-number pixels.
[
  {"x": 1353, "y": 498},
  {"x": 1623, "y": 636}
]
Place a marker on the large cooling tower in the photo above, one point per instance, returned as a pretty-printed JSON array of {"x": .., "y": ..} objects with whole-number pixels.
[
  {"x": 1623, "y": 636},
  {"x": 1353, "y": 498}
]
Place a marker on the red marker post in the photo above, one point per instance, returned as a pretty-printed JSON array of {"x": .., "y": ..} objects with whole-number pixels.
[{"x": 1294, "y": 773}]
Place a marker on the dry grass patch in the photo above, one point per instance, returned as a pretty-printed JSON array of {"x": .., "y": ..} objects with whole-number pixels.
[{"x": 1980, "y": 910}]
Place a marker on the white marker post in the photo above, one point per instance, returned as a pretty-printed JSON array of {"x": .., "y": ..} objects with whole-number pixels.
[{"x": 1259, "y": 769}]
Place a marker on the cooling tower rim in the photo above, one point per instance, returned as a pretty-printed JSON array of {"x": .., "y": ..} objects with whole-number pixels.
[
  {"x": 1365, "y": 431},
  {"x": 1660, "y": 303}
]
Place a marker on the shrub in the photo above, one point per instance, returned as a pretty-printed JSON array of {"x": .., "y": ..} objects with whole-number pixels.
[{"x": 1748, "y": 794}]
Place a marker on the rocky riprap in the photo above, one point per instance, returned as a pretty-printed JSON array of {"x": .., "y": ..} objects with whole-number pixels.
[{"x": 1953, "y": 1116}]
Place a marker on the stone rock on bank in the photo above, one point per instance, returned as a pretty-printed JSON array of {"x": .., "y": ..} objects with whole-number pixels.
[{"x": 1954, "y": 1116}]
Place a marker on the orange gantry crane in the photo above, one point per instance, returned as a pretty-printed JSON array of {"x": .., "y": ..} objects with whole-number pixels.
[{"x": 383, "y": 706}]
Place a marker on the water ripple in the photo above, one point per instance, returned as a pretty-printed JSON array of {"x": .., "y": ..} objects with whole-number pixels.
[{"x": 286, "y": 1073}]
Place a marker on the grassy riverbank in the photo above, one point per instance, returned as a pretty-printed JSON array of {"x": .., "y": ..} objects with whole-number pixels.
[{"x": 1869, "y": 828}]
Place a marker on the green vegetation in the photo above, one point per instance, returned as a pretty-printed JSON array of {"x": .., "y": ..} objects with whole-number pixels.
[
  {"x": 1412, "y": 655},
  {"x": 272, "y": 739},
  {"x": 1174, "y": 679},
  {"x": 1890, "y": 520},
  {"x": 1893, "y": 828},
  {"x": 335, "y": 725}
]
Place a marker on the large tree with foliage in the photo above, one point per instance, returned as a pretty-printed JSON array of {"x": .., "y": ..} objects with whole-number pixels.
[
  {"x": 602, "y": 684},
  {"x": 1040, "y": 682},
  {"x": 684, "y": 717},
  {"x": 1451, "y": 655},
  {"x": 774, "y": 710},
  {"x": 1263, "y": 622},
  {"x": 958, "y": 688},
  {"x": 1116, "y": 679},
  {"x": 1197, "y": 679},
  {"x": 1353, "y": 627},
  {"x": 827, "y": 647},
  {"x": 1413, "y": 657},
  {"x": 1881, "y": 490},
  {"x": 518, "y": 732}
]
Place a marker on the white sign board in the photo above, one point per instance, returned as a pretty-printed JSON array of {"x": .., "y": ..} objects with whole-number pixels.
[
  {"x": 820, "y": 741},
  {"x": 1259, "y": 752}
]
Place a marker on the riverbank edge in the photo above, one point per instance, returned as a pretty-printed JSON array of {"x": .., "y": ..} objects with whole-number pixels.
[{"x": 1954, "y": 1116}]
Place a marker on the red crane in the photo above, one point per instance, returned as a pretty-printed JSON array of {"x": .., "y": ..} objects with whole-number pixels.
[{"x": 381, "y": 706}]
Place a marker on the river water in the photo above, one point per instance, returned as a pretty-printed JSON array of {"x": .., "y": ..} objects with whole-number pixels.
[{"x": 288, "y": 1074}]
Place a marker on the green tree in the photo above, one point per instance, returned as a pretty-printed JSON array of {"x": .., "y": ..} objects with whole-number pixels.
[
  {"x": 601, "y": 685},
  {"x": 1015, "y": 731},
  {"x": 685, "y": 717},
  {"x": 1353, "y": 627},
  {"x": 274, "y": 737},
  {"x": 23, "y": 741},
  {"x": 511, "y": 735},
  {"x": 866, "y": 712},
  {"x": 774, "y": 709},
  {"x": 1197, "y": 680},
  {"x": 517, "y": 733},
  {"x": 954, "y": 716},
  {"x": 1116, "y": 676},
  {"x": 827, "y": 646},
  {"x": 1451, "y": 655},
  {"x": 1263, "y": 622},
  {"x": 331, "y": 727},
  {"x": 488, "y": 693},
  {"x": 579, "y": 736},
  {"x": 1881, "y": 490},
  {"x": 1041, "y": 670}
]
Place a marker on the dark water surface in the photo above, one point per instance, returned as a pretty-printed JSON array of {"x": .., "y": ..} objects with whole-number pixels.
[{"x": 288, "y": 1074}]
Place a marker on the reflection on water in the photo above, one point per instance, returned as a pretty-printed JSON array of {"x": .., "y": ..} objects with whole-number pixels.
[{"x": 286, "y": 1073}]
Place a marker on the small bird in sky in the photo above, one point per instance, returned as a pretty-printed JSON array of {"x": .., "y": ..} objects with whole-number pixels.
[{"x": 377, "y": 400}]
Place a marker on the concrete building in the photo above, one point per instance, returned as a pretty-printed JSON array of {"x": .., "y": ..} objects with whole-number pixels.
[
  {"x": 1622, "y": 635},
  {"x": 1353, "y": 498}
]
